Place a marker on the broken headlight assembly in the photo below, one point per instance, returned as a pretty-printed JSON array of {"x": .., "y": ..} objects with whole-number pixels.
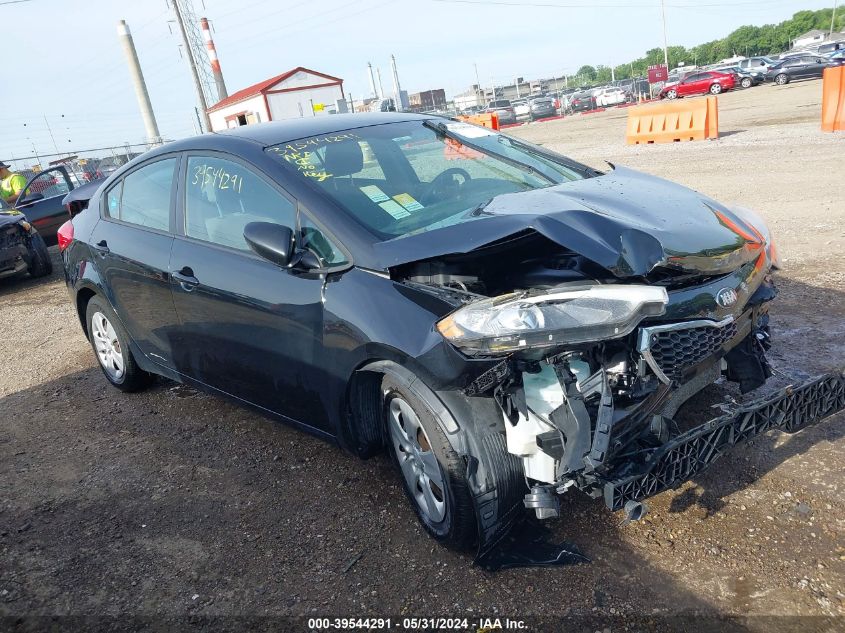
[{"x": 569, "y": 316}]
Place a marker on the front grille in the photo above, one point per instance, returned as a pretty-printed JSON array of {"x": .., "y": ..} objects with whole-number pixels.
[{"x": 674, "y": 351}]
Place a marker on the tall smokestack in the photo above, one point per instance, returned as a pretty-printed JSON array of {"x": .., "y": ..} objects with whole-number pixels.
[
  {"x": 380, "y": 88},
  {"x": 137, "y": 76},
  {"x": 397, "y": 90},
  {"x": 372, "y": 80},
  {"x": 222, "y": 93}
]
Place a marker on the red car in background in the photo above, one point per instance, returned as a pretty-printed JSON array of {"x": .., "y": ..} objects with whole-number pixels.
[{"x": 697, "y": 83}]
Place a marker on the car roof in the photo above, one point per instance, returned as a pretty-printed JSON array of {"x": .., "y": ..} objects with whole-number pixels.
[{"x": 276, "y": 132}]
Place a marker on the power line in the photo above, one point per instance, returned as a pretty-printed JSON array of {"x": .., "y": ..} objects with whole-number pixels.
[{"x": 592, "y": 5}]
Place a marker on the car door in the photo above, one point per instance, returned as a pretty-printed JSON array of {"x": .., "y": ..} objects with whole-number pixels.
[
  {"x": 131, "y": 250},
  {"x": 248, "y": 327},
  {"x": 41, "y": 201},
  {"x": 688, "y": 85}
]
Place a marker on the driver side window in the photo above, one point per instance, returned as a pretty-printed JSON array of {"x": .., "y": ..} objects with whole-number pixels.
[{"x": 222, "y": 197}]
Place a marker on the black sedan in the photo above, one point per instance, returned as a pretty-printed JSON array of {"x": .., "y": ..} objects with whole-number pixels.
[
  {"x": 582, "y": 101},
  {"x": 800, "y": 67},
  {"x": 506, "y": 322}
]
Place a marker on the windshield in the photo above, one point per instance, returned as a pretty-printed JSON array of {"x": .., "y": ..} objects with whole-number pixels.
[{"x": 414, "y": 176}]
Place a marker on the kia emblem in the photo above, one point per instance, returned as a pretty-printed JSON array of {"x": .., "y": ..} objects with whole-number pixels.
[{"x": 726, "y": 297}]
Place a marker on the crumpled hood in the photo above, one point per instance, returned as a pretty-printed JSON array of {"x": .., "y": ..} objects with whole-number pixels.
[
  {"x": 10, "y": 216},
  {"x": 625, "y": 221}
]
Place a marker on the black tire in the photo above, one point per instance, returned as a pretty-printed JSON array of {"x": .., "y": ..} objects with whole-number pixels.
[
  {"x": 41, "y": 264},
  {"x": 782, "y": 79},
  {"x": 745, "y": 83},
  {"x": 715, "y": 89},
  {"x": 672, "y": 94},
  {"x": 132, "y": 378},
  {"x": 457, "y": 530}
]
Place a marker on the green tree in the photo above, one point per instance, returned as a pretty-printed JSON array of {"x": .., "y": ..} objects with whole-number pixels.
[{"x": 587, "y": 72}]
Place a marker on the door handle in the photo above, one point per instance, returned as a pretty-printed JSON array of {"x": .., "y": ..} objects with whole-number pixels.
[
  {"x": 186, "y": 278},
  {"x": 102, "y": 247}
]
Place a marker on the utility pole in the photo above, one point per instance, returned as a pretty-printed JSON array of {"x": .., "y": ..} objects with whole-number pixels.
[
  {"x": 380, "y": 87},
  {"x": 478, "y": 86},
  {"x": 189, "y": 52},
  {"x": 397, "y": 90},
  {"x": 141, "y": 93},
  {"x": 833, "y": 18},
  {"x": 665, "y": 39}
]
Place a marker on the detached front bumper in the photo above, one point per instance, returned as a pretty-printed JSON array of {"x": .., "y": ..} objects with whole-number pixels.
[{"x": 668, "y": 466}]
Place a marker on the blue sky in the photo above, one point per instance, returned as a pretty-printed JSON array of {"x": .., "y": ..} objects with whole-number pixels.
[{"x": 72, "y": 69}]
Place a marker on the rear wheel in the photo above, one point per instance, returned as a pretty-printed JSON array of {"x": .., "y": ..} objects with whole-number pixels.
[
  {"x": 782, "y": 79},
  {"x": 433, "y": 474},
  {"x": 715, "y": 89},
  {"x": 41, "y": 264},
  {"x": 111, "y": 347}
]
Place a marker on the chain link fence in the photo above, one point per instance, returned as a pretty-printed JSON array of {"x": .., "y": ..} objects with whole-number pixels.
[{"x": 83, "y": 165}]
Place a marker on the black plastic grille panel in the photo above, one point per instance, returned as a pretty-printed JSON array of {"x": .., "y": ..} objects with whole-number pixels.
[
  {"x": 675, "y": 351},
  {"x": 790, "y": 410}
]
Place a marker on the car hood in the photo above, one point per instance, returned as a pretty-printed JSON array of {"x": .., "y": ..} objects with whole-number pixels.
[
  {"x": 625, "y": 221},
  {"x": 10, "y": 216}
]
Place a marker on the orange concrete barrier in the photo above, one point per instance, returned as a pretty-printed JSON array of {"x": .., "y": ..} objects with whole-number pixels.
[
  {"x": 675, "y": 120},
  {"x": 490, "y": 120},
  {"x": 833, "y": 99}
]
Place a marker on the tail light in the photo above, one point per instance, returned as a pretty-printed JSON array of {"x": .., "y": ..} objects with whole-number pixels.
[{"x": 65, "y": 235}]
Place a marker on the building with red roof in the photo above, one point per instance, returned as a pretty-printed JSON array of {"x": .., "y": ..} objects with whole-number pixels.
[{"x": 300, "y": 92}]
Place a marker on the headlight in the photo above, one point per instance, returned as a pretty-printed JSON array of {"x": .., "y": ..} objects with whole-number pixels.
[{"x": 557, "y": 317}]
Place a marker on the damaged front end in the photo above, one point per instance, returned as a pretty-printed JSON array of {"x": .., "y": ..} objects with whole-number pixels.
[{"x": 589, "y": 374}]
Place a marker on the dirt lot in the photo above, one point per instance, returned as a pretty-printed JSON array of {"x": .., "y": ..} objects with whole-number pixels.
[{"x": 174, "y": 502}]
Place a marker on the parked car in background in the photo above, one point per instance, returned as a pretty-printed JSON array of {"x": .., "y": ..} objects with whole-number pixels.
[
  {"x": 521, "y": 109},
  {"x": 610, "y": 96},
  {"x": 800, "y": 67},
  {"x": 761, "y": 63},
  {"x": 542, "y": 107},
  {"x": 41, "y": 200},
  {"x": 837, "y": 55},
  {"x": 831, "y": 47},
  {"x": 469, "y": 111},
  {"x": 744, "y": 78},
  {"x": 582, "y": 102},
  {"x": 22, "y": 248},
  {"x": 503, "y": 109},
  {"x": 698, "y": 83}
]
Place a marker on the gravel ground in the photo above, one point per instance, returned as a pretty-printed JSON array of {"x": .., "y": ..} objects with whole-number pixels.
[{"x": 173, "y": 502}]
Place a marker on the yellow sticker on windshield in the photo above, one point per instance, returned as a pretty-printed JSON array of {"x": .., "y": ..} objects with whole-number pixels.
[
  {"x": 407, "y": 201},
  {"x": 394, "y": 209}
]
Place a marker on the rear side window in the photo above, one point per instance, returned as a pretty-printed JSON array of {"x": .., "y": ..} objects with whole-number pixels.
[
  {"x": 222, "y": 197},
  {"x": 143, "y": 197}
]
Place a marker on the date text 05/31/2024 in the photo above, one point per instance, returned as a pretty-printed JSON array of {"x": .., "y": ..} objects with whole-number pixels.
[{"x": 412, "y": 624}]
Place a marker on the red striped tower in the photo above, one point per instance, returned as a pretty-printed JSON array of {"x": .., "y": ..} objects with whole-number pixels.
[{"x": 222, "y": 93}]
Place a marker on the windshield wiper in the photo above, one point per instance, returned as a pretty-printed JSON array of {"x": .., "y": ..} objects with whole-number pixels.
[
  {"x": 479, "y": 209},
  {"x": 440, "y": 128}
]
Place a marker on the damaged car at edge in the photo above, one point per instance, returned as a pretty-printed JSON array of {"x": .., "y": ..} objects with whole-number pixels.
[{"x": 507, "y": 323}]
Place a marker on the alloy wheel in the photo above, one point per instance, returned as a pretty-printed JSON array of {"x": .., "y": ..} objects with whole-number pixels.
[
  {"x": 107, "y": 345},
  {"x": 780, "y": 80},
  {"x": 715, "y": 89},
  {"x": 417, "y": 461},
  {"x": 671, "y": 94}
]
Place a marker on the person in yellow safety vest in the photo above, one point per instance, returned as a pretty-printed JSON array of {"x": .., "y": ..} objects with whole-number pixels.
[{"x": 11, "y": 185}]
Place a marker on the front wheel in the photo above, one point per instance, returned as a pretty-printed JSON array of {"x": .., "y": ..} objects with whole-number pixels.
[
  {"x": 715, "y": 89},
  {"x": 672, "y": 94},
  {"x": 111, "y": 347},
  {"x": 41, "y": 265},
  {"x": 746, "y": 82},
  {"x": 782, "y": 79},
  {"x": 433, "y": 474}
]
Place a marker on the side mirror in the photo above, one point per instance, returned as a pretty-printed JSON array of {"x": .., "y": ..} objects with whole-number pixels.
[{"x": 273, "y": 242}]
